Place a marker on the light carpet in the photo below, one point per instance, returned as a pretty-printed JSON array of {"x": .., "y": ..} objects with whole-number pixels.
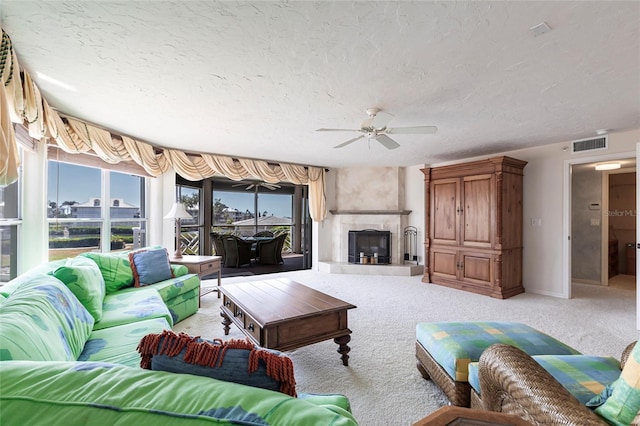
[{"x": 381, "y": 381}]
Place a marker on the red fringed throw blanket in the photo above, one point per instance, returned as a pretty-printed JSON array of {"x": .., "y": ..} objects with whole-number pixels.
[{"x": 205, "y": 353}]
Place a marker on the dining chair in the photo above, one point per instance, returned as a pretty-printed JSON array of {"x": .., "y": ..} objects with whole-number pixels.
[
  {"x": 264, "y": 234},
  {"x": 237, "y": 251},
  {"x": 270, "y": 252},
  {"x": 218, "y": 247}
]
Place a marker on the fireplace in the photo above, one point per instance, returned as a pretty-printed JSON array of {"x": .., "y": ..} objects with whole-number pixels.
[{"x": 370, "y": 246}]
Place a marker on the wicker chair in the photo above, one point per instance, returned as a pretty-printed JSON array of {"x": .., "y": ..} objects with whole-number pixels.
[
  {"x": 270, "y": 252},
  {"x": 237, "y": 252},
  {"x": 263, "y": 234},
  {"x": 514, "y": 383},
  {"x": 217, "y": 245}
]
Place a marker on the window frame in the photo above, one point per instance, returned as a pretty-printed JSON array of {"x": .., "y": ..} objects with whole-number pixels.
[
  {"x": 105, "y": 219},
  {"x": 16, "y": 222}
]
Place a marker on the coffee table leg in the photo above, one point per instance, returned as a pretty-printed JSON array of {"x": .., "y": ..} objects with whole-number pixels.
[
  {"x": 226, "y": 322},
  {"x": 344, "y": 348}
]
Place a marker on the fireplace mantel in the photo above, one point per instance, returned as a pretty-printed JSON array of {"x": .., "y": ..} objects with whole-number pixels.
[{"x": 379, "y": 212}]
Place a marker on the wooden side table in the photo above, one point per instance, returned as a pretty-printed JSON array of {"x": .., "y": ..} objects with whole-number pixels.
[
  {"x": 202, "y": 266},
  {"x": 459, "y": 416}
]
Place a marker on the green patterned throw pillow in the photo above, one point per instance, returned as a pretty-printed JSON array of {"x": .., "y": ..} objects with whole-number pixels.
[
  {"x": 42, "y": 320},
  {"x": 623, "y": 404},
  {"x": 84, "y": 279},
  {"x": 115, "y": 269}
]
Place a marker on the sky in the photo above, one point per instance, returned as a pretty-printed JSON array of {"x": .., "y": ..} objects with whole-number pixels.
[
  {"x": 276, "y": 205},
  {"x": 78, "y": 183}
]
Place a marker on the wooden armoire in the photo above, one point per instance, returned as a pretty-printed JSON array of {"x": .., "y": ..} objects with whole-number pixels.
[{"x": 473, "y": 223}]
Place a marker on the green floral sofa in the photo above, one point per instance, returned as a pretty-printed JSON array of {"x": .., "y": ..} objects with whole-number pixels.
[
  {"x": 180, "y": 294},
  {"x": 86, "y": 309},
  {"x": 69, "y": 355}
]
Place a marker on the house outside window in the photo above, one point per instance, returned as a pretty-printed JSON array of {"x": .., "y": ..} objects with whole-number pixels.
[{"x": 93, "y": 209}]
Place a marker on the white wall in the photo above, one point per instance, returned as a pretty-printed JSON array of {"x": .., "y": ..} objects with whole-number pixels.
[
  {"x": 414, "y": 201},
  {"x": 162, "y": 195},
  {"x": 33, "y": 248}
]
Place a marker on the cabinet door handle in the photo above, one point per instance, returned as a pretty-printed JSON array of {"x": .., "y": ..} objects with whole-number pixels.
[
  {"x": 251, "y": 327},
  {"x": 239, "y": 314},
  {"x": 227, "y": 303}
]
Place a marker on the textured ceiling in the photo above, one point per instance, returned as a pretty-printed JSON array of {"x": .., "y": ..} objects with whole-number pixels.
[{"x": 255, "y": 79}]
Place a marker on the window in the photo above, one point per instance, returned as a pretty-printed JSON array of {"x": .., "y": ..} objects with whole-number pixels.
[
  {"x": 246, "y": 208},
  {"x": 80, "y": 221},
  {"x": 10, "y": 221},
  {"x": 190, "y": 229}
]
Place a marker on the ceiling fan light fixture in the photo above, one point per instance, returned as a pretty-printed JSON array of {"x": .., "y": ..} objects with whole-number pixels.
[{"x": 375, "y": 127}]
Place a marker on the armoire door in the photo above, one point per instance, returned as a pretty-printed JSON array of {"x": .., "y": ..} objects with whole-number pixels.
[
  {"x": 477, "y": 268},
  {"x": 478, "y": 210},
  {"x": 444, "y": 263},
  {"x": 445, "y": 211}
]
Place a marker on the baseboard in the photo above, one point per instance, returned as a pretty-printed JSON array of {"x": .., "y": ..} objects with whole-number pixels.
[{"x": 357, "y": 269}]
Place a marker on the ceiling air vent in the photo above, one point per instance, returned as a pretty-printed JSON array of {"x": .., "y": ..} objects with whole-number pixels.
[{"x": 592, "y": 144}]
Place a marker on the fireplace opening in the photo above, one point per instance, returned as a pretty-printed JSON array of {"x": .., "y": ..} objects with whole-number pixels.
[{"x": 370, "y": 246}]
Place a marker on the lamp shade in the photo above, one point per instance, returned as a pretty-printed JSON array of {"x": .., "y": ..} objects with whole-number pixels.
[{"x": 178, "y": 212}]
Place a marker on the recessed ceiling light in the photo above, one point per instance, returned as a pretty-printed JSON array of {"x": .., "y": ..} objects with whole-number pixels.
[
  {"x": 608, "y": 166},
  {"x": 602, "y": 132},
  {"x": 55, "y": 82}
]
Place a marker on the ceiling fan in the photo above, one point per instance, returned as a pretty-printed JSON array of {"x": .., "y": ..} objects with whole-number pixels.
[
  {"x": 375, "y": 127},
  {"x": 250, "y": 185}
]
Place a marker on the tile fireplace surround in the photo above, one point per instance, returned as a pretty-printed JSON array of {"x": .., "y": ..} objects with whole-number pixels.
[
  {"x": 360, "y": 205},
  {"x": 382, "y": 220}
]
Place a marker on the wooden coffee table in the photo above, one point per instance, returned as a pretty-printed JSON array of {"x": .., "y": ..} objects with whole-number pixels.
[
  {"x": 284, "y": 315},
  {"x": 460, "y": 416}
]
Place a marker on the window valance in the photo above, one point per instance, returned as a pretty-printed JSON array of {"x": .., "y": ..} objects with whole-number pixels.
[{"x": 21, "y": 101}]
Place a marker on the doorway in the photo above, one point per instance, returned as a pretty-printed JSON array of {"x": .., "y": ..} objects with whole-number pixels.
[{"x": 603, "y": 223}]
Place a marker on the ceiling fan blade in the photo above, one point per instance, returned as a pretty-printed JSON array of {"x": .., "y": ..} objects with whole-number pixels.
[
  {"x": 412, "y": 130},
  {"x": 250, "y": 186},
  {"x": 381, "y": 119},
  {"x": 387, "y": 142},
  {"x": 337, "y": 130},
  {"x": 349, "y": 141},
  {"x": 271, "y": 186}
]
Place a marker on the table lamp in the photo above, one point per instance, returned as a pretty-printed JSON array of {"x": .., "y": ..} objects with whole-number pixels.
[{"x": 178, "y": 213}]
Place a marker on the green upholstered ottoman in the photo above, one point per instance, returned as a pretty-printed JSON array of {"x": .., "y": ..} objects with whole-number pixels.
[{"x": 445, "y": 349}]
